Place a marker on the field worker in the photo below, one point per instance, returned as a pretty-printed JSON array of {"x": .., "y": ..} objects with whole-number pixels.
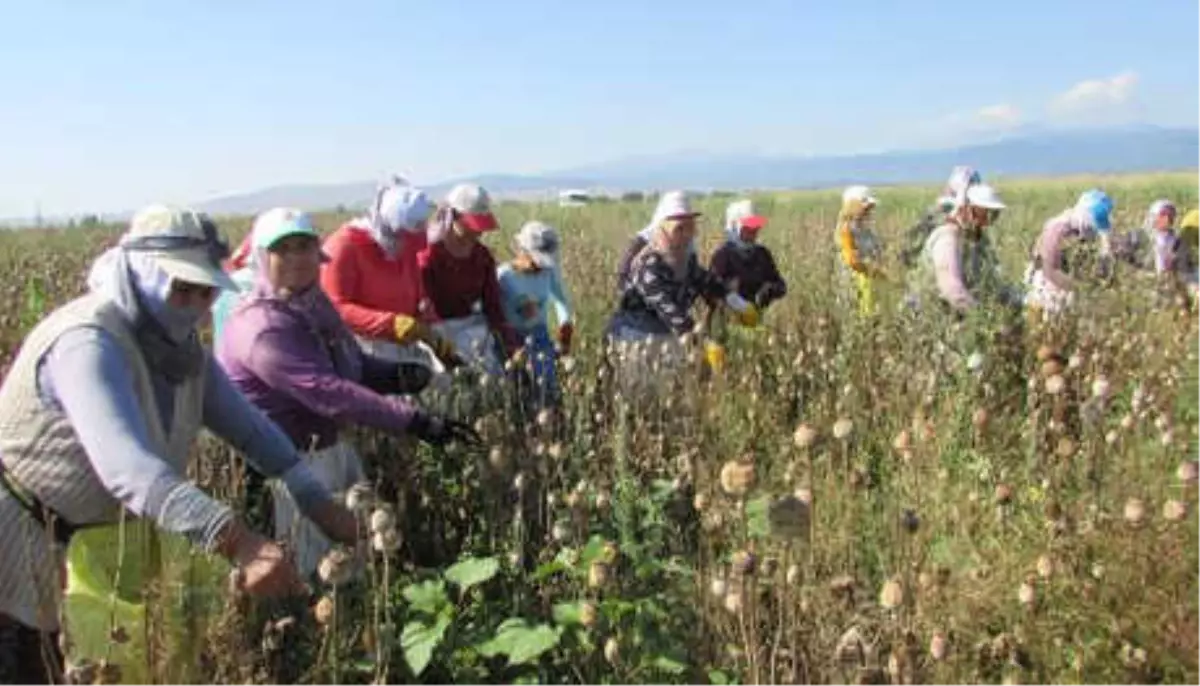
[
  {"x": 642, "y": 238},
  {"x": 860, "y": 249},
  {"x": 99, "y": 413},
  {"x": 241, "y": 272},
  {"x": 460, "y": 280},
  {"x": 1158, "y": 231},
  {"x": 1059, "y": 260},
  {"x": 287, "y": 350},
  {"x": 528, "y": 285},
  {"x": 742, "y": 263},
  {"x": 1189, "y": 245},
  {"x": 373, "y": 279},
  {"x": 961, "y": 178},
  {"x": 665, "y": 280},
  {"x": 959, "y": 268}
]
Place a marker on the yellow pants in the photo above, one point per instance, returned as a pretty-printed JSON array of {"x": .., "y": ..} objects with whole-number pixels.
[{"x": 865, "y": 288}]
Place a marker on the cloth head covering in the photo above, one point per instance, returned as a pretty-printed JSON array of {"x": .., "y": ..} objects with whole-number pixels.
[
  {"x": 740, "y": 215},
  {"x": 1157, "y": 208},
  {"x": 397, "y": 208},
  {"x": 132, "y": 276},
  {"x": 954, "y": 194}
]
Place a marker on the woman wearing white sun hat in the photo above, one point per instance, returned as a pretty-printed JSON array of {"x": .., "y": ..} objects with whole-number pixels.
[
  {"x": 859, "y": 247},
  {"x": 664, "y": 282},
  {"x": 958, "y": 267},
  {"x": 99, "y": 413},
  {"x": 961, "y": 178}
]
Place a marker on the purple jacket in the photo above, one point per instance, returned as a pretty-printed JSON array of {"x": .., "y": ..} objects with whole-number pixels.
[{"x": 304, "y": 369}]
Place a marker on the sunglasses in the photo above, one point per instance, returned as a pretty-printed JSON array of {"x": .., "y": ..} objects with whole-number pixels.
[
  {"x": 189, "y": 290},
  {"x": 217, "y": 249}
]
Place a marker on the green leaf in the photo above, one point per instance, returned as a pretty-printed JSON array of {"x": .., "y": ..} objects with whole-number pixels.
[
  {"x": 427, "y": 596},
  {"x": 549, "y": 569},
  {"x": 668, "y": 665},
  {"x": 521, "y": 642},
  {"x": 419, "y": 640},
  {"x": 472, "y": 571},
  {"x": 568, "y": 614},
  {"x": 757, "y": 522},
  {"x": 718, "y": 678},
  {"x": 591, "y": 551}
]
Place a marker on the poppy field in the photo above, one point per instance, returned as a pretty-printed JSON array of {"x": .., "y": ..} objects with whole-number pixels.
[{"x": 860, "y": 500}]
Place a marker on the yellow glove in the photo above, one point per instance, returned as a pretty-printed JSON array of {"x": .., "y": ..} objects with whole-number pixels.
[
  {"x": 714, "y": 355},
  {"x": 409, "y": 330},
  {"x": 749, "y": 317}
]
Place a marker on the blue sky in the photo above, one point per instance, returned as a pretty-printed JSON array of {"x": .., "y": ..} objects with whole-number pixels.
[{"x": 109, "y": 105}]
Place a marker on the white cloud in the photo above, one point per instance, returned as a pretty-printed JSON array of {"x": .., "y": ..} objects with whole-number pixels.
[
  {"x": 1096, "y": 94},
  {"x": 998, "y": 116}
]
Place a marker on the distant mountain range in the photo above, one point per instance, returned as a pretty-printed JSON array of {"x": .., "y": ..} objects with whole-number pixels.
[
  {"x": 1029, "y": 152},
  {"x": 1036, "y": 153}
]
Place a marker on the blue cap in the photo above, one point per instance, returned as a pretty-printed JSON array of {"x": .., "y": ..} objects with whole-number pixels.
[{"x": 1098, "y": 207}]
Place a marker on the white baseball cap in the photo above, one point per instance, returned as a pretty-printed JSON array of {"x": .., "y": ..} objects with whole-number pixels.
[
  {"x": 182, "y": 242},
  {"x": 983, "y": 195},
  {"x": 473, "y": 207},
  {"x": 741, "y": 213},
  {"x": 860, "y": 193},
  {"x": 540, "y": 240}
]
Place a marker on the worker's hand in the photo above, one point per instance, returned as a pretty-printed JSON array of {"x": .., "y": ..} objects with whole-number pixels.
[
  {"x": 262, "y": 567},
  {"x": 445, "y": 350},
  {"x": 441, "y": 431},
  {"x": 566, "y": 332},
  {"x": 409, "y": 330},
  {"x": 337, "y": 522},
  {"x": 749, "y": 316}
]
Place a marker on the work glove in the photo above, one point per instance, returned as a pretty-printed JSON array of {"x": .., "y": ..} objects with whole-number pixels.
[
  {"x": 747, "y": 312},
  {"x": 440, "y": 431},
  {"x": 565, "y": 333},
  {"x": 409, "y": 330},
  {"x": 714, "y": 355}
]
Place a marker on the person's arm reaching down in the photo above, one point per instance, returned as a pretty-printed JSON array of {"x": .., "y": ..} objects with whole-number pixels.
[
  {"x": 1049, "y": 252},
  {"x": 243, "y": 426},
  {"x": 92, "y": 382}
]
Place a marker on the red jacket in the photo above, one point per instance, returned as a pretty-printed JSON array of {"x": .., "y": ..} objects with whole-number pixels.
[{"x": 366, "y": 287}]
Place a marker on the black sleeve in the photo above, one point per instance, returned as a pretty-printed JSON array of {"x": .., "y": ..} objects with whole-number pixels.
[
  {"x": 775, "y": 285},
  {"x": 707, "y": 283},
  {"x": 635, "y": 247}
]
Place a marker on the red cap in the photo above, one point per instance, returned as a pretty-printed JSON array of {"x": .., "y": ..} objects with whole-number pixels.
[
  {"x": 479, "y": 223},
  {"x": 753, "y": 222}
]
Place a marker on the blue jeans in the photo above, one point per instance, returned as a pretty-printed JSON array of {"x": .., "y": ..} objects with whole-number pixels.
[{"x": 543, "y": 358}]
